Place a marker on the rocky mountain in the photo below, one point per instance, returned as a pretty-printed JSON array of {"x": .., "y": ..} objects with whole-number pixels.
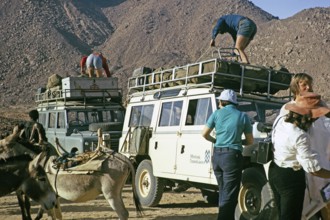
[{"x": 42, "y": 37}]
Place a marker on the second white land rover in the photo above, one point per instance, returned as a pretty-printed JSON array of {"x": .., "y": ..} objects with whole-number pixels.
[{"x": 74, "y": 110}]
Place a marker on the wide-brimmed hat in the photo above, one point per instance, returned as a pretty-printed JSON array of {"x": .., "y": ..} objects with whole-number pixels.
[
  {"x": 308, "y": 103},
  {"x": 228, "y": 95}
]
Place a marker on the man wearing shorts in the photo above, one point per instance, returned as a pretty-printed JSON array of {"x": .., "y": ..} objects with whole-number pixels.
[
  {"x": 241, "y": 29},
  {"x": 95, "y": 63}
]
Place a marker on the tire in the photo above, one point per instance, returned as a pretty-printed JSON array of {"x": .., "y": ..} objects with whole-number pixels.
[
  {"x": 106, "y": 126},
  {"x": 255, "y": 199},
  {"x": 210, "y": 196},
  {"x": 149, "y": 188}
]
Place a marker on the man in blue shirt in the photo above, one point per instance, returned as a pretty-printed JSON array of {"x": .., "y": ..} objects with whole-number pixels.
[
  {"x": 241, "y": 29},
  {"x": 227, "y": 160}
]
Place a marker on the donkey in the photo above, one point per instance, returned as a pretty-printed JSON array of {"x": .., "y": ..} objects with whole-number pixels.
[
  {"x": 109, "y": 180},
  {"x": 22, "y": 174}
]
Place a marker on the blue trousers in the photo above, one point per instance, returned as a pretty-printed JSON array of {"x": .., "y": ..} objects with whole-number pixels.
[
  {"x": 227, "y": 166},
  {"x": 289, "y": 191}
]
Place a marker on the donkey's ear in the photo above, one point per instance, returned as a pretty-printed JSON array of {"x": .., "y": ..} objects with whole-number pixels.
[
  {"x": 38, "y": 159},
  {"x": 34, "y": 163}
]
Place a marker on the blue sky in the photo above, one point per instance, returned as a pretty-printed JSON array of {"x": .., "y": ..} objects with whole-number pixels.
[{"x": 287, "y": 8}]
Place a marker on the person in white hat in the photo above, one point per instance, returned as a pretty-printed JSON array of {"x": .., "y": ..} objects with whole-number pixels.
[
  {"x": 227, "y": 160},
  {"x": 293, "y": 155}
]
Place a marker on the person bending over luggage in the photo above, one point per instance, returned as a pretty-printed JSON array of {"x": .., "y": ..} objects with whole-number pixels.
[
  {"x": 96, "y": 63},
  {"x": 293, "y": 154},
  {"x": 241, "y": 29}
]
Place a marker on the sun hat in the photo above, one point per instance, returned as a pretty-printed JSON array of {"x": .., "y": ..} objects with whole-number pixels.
[
  {"x": 228, "y": 95},
  {"x": 308, "y": 103}
]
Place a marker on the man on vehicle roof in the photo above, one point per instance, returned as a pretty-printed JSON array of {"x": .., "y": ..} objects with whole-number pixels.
[{"x": 241, "y": 29}]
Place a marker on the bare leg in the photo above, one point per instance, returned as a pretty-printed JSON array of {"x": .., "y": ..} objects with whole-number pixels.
[
  {"x": 99, "y": 72},
  {"x": 241, "y": 43},
  {"x": 90, "y": 71}
]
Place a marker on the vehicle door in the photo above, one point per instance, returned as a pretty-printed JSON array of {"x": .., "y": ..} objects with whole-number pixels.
[
  {"x": 163, "y": 144},
  {"x": 193, "y": 155},
  {"x": 55, "y": 126}
]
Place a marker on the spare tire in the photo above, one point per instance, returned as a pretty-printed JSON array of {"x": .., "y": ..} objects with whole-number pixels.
[{"x": 106, "y": 126}]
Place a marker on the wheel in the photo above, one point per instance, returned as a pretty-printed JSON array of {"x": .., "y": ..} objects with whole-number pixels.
[
  {"x": 149, "y": 188},
  {"x": 210, "y": 196},
  {"x": 255, "y": 199}
]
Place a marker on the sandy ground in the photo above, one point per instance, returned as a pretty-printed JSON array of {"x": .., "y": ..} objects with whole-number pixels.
[{"x": 174, "y": 206}]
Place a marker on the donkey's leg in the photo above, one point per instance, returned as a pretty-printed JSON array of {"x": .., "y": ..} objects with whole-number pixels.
[
  {"x": 115, "y": 200},
  {"x": 24, "y": 204},
  {"x": 39, "y": 214}
]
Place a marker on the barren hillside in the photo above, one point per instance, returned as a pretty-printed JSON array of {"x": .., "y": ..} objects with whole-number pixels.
[{"x": 39, "y": 38}]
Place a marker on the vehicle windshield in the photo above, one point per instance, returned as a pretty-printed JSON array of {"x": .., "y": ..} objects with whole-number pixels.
[
  {"x": 260, "y": 112},
  {"x": 86, "y": 117}
]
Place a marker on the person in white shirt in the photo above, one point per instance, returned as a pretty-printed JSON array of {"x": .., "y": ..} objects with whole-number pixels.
[
  {"x": 293, "y": 156},
  {"x": 320, "y": 144}
]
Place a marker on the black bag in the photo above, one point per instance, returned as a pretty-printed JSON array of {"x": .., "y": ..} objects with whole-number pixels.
[
  {"x": 265, "y": 150},
  {"x": 325, "y": 193}
]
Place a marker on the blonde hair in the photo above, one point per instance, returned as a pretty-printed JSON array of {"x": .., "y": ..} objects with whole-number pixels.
[{"x": 294, "y": 84}]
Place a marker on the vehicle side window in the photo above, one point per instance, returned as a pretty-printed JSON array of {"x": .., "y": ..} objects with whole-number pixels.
[
  {"x": 141, "y": 115},
  {"x": 171, "y": 113},
  {"x": 199, "y": 110},
  {"x": 52, "y": 120},
  {"x": 42, "y": 119},
  {"x": 61, "y": 120}
]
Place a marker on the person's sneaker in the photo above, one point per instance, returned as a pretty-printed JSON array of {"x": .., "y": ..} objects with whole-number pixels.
[{"x": 181, "y": 188}]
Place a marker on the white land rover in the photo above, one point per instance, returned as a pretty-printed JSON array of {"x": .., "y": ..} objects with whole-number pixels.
[{"x": 166, "y": 113}]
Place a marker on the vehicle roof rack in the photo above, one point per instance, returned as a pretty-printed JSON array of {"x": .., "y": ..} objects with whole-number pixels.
[
  {"x": 216, "y": 73},
  {"x": 81, "y": 91}
]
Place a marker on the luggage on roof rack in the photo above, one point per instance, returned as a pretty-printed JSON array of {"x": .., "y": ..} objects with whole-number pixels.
[
  {"x": 81, "y": 88},
  {"x": 218, "y": 73}
]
